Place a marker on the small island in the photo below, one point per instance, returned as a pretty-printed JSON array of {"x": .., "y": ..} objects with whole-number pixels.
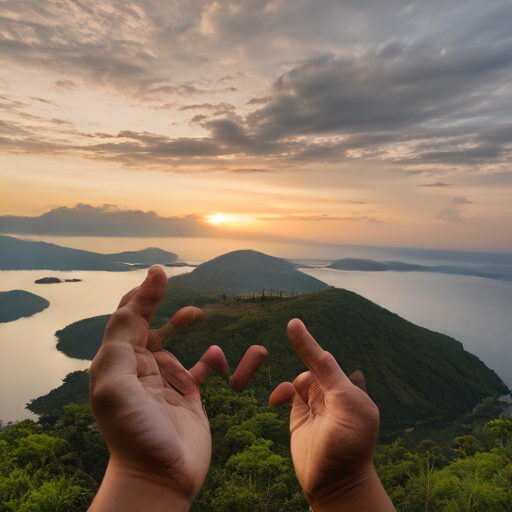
[
  {"x": 53, "y": 280},
  {"x": 16, "y": 304},
  {"x": 374, "y": 266},
  {"x": 181, "y": 264}
]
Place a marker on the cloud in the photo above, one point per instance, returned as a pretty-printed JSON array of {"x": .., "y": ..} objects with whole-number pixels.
[
  {"x": 321, "y": 217},
  {"x": 461, "y": 200},
  {"x": 64, "y": 86},
  {"x": 107, "y": 220},
  {"x": 438, "y": 184},
  {"x": 453, "y": 213}
]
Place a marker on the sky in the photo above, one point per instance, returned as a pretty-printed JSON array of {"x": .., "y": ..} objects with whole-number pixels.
[{"x": 381, "y": 123}]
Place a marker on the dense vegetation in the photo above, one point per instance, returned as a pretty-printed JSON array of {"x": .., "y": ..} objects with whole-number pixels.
[
  {"x": 416, "y": 377},
  {"x": 16, "y": 304},
  {"x": 58, "y": 464},
  {"x": 82, "y": 339}
]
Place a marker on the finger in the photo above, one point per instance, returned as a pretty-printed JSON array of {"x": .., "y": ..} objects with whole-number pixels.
[
  {"x": 183, "y": 318},
  {"x": 187, "y": 316},
  {"x": 321, "y": 363},
  {"x": 283, "y": 394},
  {"x": 357, "y": 378},
  {"x": 146, "y": 299},
  {"x": 127, "y": 297},
  {"x": 251, "y": 361},
  {"x": 173, "y": 373},
  {"x": 213, "y": 359},
  {"x": 302, "y": 385}
]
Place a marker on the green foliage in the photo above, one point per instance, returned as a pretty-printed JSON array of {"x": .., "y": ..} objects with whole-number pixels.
[
  {"x": 75, "y": 388},
  {"x": 51, "y": 467},
  {"x": 16, "y": 304},
  {"x": 82, "y": 339}
]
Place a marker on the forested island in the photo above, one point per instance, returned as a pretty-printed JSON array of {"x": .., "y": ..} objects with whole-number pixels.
[{"x": 16, "y": 304}]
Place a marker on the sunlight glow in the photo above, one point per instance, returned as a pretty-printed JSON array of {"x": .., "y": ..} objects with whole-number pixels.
[{"x": 229, "y": 219}]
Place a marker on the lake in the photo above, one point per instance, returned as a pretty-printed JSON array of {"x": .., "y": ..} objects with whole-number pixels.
[
  {"x": 473, "y": 310},
  {"x": 30, "y": 365}
]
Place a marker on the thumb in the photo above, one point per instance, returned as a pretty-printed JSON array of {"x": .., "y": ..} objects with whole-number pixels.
[{"x": 144, "y": 303}]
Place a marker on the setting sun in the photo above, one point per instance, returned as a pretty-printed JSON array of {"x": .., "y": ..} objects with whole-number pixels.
[{"x": 229, "y": 219}]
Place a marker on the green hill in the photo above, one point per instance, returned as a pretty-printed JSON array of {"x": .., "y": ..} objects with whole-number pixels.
[
  {"x": 149, "y": 256},
  {"x": 247, "y": 272},
  {"x": 16, "y": 304},
  {"x": 18, "y": 254},
  {"x": 414, "y": 375}
]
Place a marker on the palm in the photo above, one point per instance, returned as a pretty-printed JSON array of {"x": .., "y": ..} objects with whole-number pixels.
[
  {"x": 146, "y": 403},
  {"x": 327, "y": 443},
  {"x": 333, "y": 422}
]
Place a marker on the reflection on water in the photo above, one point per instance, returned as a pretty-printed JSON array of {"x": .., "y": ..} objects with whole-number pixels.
[
  {"x": 30, "y": 365},
  {"x": 472, "y": 310}
]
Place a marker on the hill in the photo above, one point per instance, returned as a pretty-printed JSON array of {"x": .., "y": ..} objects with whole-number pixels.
[
  {"x": 18, "y": 254},
  {"x": 149, "y": 256},
  {"x": 373, "y": 266},
  {"x": 246, "y": 272},
  {"x": 16, "y": 304},
  {"x": 416, "y": 377}
]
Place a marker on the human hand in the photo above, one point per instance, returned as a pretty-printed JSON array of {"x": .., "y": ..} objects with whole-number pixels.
[
  {"x": 334, "y": 427},
  {"x": 149, "y": 407}
]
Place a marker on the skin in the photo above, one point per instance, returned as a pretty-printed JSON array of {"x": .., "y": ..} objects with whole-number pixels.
[
  {"x": 334, "y": 426},
  {"x": 149, "y": 408}
]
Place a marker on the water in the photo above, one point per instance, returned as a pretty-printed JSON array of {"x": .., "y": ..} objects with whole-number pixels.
[
  {"x": 473, "y": 310},
  {"x": 30, "y": 364}
]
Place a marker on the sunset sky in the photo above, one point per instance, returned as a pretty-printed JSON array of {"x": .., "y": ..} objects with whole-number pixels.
[{"x": 385, "y": 123}]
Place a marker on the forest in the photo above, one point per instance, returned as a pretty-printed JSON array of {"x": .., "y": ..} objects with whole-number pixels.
[{"x": 57, "y": 464}]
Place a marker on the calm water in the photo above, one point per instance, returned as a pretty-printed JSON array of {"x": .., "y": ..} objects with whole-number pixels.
[
  {"x": 474, "y": 311},
  {"x": 30, "y": 365}
]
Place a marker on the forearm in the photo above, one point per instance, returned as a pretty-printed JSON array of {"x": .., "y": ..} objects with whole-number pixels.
[
  {"x": 126, "y": 490},
  {"x": 365, "y": 496}
]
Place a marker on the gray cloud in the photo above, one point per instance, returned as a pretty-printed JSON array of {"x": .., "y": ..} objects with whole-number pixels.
[
  {"x": 461, "y": 200},
  {"x": 452, "y": 214},
  {"x": 107, "y": 220},
  {"x": 438, "y": 184},
  {"x": 64, "y": 86}
]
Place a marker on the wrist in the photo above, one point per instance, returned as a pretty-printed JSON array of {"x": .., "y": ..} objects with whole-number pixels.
[
  {"x": 128, "y": 489},
  {"x": 363, "y": 493}
]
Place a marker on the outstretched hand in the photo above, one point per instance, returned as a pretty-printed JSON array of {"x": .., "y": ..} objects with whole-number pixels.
[
  {"x": 334, "y": 427},
  {"x": 149, "y": 408}
]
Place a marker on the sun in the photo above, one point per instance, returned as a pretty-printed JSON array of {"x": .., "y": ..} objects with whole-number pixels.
[
  {"x": 229, "y": 219},
  {"x": 216, "y": 218}
]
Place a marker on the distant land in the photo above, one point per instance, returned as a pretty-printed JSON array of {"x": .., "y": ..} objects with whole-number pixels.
[
  {"x": 363, "y": 265},
  {"x": 16, "y": 254},
  {"x": 55, "y": 280},
  {"x": 149, "y": 256},
  {"x": 415, "y": 376},
  {"x": 247, "y": 271},
  {"x": 16, "y": 304}
]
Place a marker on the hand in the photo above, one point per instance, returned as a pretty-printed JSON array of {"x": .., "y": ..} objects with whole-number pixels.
[
  {"x": 149, "y": 407},
  {"x": 334, "y": 427}
]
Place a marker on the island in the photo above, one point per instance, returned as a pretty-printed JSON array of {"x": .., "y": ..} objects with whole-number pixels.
[
  {"x": 374, "y": 266},
  {"x": 53, "y": 280},
  {"x": 16, "y": 304}
]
